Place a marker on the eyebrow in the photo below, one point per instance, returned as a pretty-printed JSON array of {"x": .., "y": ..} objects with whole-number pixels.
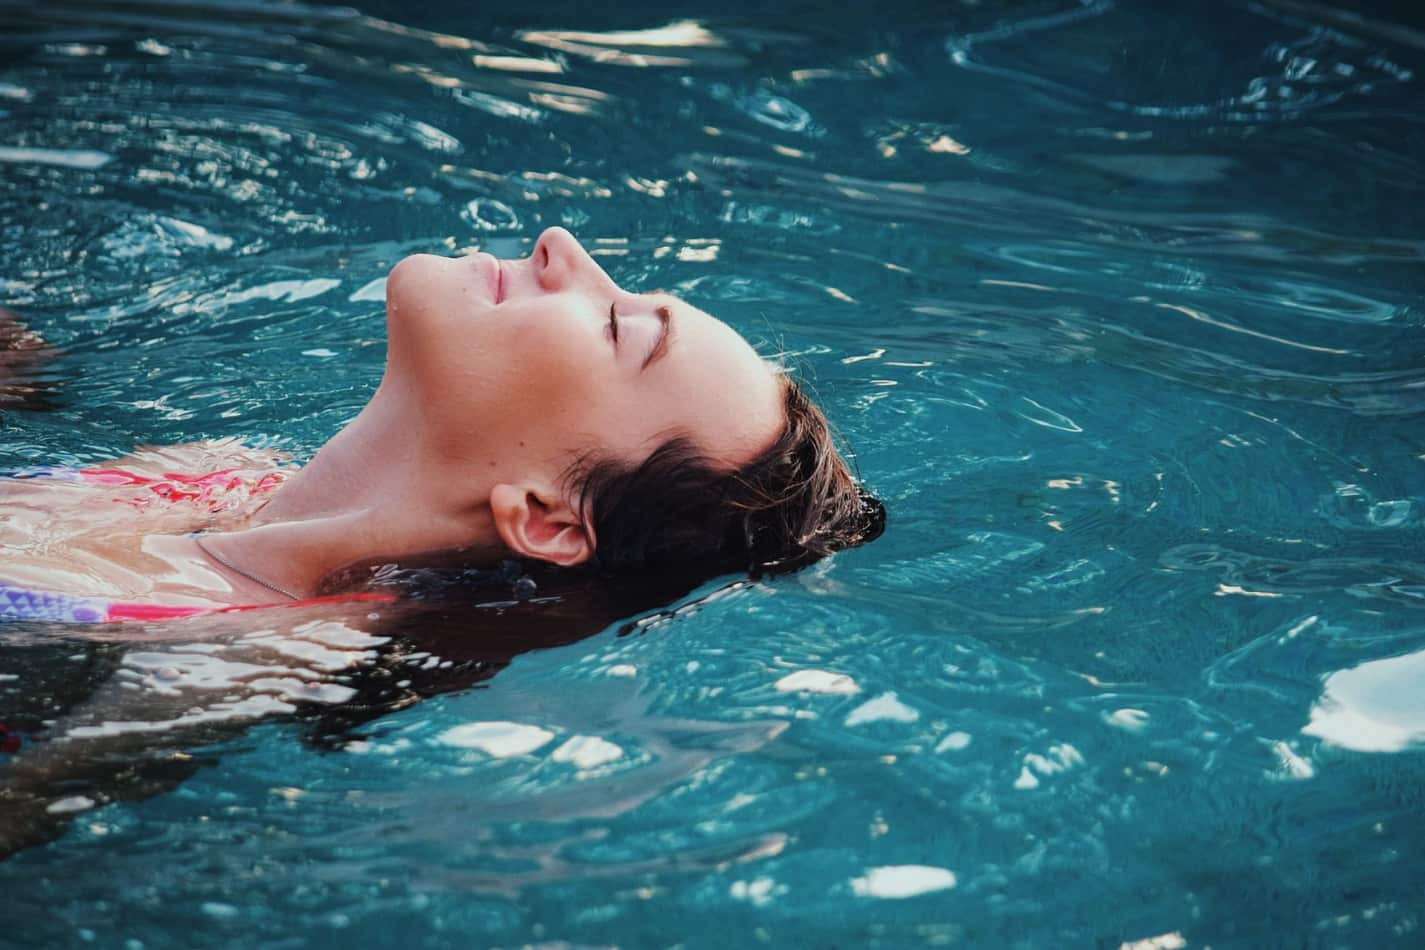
[{"x": 660, "y": 349}]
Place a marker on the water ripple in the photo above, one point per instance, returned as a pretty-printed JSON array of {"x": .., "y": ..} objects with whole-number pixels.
[{"x": 1117, "y": 305}]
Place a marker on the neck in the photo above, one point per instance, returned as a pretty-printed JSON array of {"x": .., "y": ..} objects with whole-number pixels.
[{"x": 371, "y": 495}]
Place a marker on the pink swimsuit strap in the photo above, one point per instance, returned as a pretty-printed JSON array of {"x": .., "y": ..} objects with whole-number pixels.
[{"x": 176, "y": 487}]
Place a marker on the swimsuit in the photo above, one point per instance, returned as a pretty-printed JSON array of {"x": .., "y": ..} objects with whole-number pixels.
[
  {"x": 19, "y": 603},
  {"x": 216, "y": 490}
]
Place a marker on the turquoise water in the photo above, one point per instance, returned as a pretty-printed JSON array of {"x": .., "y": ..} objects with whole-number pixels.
[{"x": 1119, "y": 307}]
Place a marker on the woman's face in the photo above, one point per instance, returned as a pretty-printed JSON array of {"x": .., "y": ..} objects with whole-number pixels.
[{"x": 521, "y": 366}]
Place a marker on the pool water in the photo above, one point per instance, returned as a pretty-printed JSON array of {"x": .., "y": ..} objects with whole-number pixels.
[{"x": 1118, "y": 305}]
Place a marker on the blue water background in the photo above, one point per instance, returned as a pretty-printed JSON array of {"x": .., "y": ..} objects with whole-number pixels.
[{"x": 1119, "y": 306}]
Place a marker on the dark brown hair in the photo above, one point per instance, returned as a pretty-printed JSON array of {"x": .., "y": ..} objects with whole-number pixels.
[{"x": 795, "y": 502}]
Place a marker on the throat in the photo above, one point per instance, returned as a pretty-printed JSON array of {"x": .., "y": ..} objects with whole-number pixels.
[
  {"x": 361, "y": 468},
  {"x": 374, "y": 494}
]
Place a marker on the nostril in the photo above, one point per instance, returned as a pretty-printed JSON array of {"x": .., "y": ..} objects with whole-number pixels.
[{"x": 544, "y": 255}]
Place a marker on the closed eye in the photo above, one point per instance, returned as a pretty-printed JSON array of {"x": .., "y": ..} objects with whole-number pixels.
[
  {"x": 665, "y": 337},
  {"x": 659, "y": 347}
]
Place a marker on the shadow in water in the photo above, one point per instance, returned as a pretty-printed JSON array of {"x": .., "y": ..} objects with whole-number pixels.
[{"x": 89, "y": 716}]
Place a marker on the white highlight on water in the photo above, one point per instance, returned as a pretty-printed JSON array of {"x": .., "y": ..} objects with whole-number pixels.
[
  {"x": 195, "y": 235},
  {"x": 1291, "y": 765},
  {"x": 587, "y": 752},
  {"x": 1375, "y": 707},
  {"x": 372, "y": 290},
  {"x": 280, "y": 291},
  {"x": 1132, "y": 720},
  {"x": 498, "y": 739},
  {"x": 1167, "y": 941},
  {"x": 73, "y": 803},
  {"x": 884, "y": 708},
  {"x": 757, "y": 892},
  {"x": 954, "y": 742},
  {"x": 898, "y": 881},
  {"x": 249, "y": 707},
  {"x": 818, "y": 681},
  {"x": 1060, "y": 758},
  {"x": 61, "y": 157}
]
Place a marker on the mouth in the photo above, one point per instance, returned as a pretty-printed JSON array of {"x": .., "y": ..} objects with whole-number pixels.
[{"x": 494, "y": 272}]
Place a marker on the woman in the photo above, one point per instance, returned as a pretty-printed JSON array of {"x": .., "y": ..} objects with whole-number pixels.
[
  {"x": 622, "y": 446},
  {"x": 530, "y": 409}
]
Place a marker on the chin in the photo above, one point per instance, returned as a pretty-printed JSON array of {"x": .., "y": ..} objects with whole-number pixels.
[
  {"x": 433, "y": 310},
  {"x": 414, "y": 288},
  {"x": 409, "y": 277},
  {"x": 429, "y": 294}
]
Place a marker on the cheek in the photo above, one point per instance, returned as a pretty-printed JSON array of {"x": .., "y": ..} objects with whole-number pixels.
[
  {"x": 566, "y": 403},
  {"x": 532, "y": 370},
  {"x": 522, "y": 380}
]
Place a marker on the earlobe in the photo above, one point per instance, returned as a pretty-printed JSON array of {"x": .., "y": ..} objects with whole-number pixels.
[{"x": 539, "y": 525}]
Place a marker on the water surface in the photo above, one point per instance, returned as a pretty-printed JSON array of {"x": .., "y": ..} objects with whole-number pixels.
[{"x": 1119, "y": 307}]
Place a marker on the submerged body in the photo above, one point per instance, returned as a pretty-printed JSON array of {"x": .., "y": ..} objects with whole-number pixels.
[{"x": 106, "y": 542}]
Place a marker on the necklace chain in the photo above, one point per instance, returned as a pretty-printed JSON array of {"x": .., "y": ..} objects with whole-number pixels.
[{"x": 198, "y": 540}]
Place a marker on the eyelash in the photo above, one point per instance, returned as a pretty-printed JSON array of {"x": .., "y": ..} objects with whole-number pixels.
[{"x": 613, "y": 323}]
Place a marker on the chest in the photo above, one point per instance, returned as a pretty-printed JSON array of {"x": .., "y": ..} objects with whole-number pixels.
[{"x": 93, "y": 532}]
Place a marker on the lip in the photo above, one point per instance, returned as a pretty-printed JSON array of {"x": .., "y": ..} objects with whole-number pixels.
[{"x": 494, "y": 273}]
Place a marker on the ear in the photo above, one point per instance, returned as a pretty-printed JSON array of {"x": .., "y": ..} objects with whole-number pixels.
[{"x": 540, "y": 525}]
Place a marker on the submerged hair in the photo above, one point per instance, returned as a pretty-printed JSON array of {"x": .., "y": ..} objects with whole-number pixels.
[{"x": 795, "y": 502}]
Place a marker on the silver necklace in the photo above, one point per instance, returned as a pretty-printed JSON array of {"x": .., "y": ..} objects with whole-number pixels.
[{"x": 197, "y": 537}]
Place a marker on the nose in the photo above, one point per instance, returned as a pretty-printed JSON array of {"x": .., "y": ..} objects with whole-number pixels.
[{"x": 561, "y": 263}]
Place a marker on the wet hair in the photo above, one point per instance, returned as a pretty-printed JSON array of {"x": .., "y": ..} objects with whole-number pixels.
[{"x": 794, "y": 503}]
